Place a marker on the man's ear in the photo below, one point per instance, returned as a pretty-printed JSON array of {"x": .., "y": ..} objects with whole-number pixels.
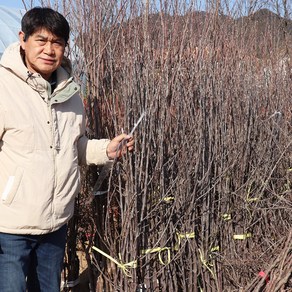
[{"x": 21, "y": 36}]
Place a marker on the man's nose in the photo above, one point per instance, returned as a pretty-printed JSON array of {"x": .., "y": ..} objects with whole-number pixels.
[{"x": 48, "y": 48}]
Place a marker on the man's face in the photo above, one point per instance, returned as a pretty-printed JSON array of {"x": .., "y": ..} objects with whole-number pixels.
[{"x": 44, "y": 52}]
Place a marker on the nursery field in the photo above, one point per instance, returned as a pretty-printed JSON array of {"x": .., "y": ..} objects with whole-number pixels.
[{"x": 204, "y": 202}]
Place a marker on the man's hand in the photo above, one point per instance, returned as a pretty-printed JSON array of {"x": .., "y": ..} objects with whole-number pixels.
[{"x": 119, "y": 145}]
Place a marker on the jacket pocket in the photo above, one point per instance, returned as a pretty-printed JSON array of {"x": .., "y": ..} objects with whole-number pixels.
[{"x": 12, "y": 186}]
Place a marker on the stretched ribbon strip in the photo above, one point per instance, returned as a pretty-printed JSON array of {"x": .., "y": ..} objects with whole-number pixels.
[{"x": 123, "y": 266}]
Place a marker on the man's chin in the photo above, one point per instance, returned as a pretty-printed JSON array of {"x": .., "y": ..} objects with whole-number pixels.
[{"x": 46, "y": 70}]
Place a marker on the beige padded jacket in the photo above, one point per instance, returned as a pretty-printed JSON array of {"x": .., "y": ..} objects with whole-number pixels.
[{"x": 42, "y": 144}]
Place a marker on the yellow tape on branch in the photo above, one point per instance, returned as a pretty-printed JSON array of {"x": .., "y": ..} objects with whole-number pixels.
[
  {"x": 206, "y": 264},
  {"x": 249, "y": 200},
  {"x": 241, "y": 236},
  {"x": 123, "y": 266},
  {"x": 168, "y": 256},
  {"x": 215, "y": 248},
  {"x": 226, "y": 217},
  {"x": 182, "y": 236},
  {"x": 159, "y": 250},
  {"x": 133, "y": 264},
  {"x": 186, "y": 235},
  {"x": 168, "y": 199}
]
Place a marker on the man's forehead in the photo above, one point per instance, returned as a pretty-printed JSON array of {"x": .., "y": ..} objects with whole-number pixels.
[{"x": 45, "y": 33}]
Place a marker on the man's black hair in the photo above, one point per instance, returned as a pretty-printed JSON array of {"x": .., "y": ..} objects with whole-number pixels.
[{"x": 46, "y": 18}]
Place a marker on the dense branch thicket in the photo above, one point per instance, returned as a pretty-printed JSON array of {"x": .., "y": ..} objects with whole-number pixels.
[{"x": 204, "y": 202}]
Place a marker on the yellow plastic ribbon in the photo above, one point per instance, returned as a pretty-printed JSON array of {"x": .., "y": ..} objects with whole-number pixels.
[
  {"x": 186, "y": 235},
  {"x": 226, "y": 217},
  {"x": 241, "y": 236},
  {"x": 215, "y": 248},
  {"x": 205, "y": 263},
  {"x": 133, "y": 264},
  {"x": 250, "y": 200},
  {"x": 168, "y": 256},
  {"x": 159, "y": 250},
  {"x": 168, "y": 199},
  {"x": 123, "y": 266},
  {"x": 181, "y": 236}
]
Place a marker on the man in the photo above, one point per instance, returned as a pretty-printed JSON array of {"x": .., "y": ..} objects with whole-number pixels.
[{"x": 42, "y": 144}]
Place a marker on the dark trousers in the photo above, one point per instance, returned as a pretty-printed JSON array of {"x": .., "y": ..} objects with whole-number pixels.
[{"x": 32, "y": 263}]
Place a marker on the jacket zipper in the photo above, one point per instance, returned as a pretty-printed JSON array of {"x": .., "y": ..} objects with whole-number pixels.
[
  {"x": 53, "y": 145},
  {"x": 52, "y": 148}
]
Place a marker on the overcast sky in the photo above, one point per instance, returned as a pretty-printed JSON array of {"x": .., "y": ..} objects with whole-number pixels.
[{"x": 12, "y": 3}]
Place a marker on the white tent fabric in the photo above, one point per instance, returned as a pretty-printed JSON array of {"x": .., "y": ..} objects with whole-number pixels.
[{"x": 10, "y": 23}]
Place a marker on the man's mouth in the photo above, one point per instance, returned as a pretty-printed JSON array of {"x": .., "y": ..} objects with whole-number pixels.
[{"x": 48, "y": 61}]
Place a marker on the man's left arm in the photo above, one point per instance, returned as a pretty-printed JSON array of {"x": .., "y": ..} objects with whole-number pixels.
[{"x": 100, "y": 151}]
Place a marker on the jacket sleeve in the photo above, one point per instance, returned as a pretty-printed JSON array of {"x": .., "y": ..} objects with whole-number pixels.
[{"x": 92, "y": 151}]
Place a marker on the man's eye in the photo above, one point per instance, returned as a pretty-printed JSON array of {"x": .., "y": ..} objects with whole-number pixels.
[
  {"x": 41, "y": 42},
  {"x": 58, "y": 43}
]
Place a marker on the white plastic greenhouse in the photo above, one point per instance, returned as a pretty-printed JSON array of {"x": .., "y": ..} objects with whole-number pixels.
[{"x": 10, "y": 19}]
